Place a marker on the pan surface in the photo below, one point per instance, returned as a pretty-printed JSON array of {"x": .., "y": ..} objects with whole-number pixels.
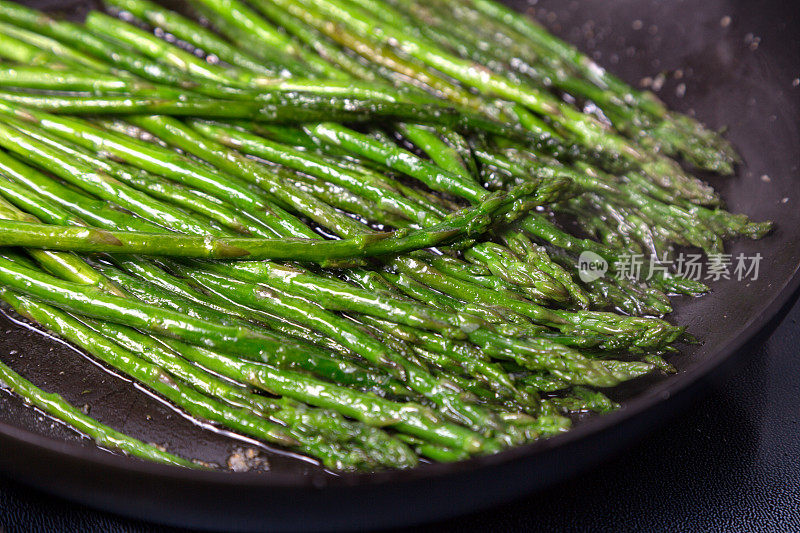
[{"x": 733, "y": 63}]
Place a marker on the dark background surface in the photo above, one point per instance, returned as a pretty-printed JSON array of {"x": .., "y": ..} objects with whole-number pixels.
[{"x": 732, "y": 463}]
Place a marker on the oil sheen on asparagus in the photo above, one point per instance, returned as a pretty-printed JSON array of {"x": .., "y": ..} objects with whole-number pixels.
[{"x": 347, "y": 228}]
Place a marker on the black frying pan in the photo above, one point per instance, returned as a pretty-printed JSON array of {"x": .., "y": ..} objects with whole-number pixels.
[{"x": 737, "y": 71}]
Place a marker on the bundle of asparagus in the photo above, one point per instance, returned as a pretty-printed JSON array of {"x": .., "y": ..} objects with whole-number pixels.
[{"x": 346, "y": 227}]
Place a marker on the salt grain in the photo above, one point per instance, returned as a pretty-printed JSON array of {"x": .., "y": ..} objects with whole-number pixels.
[
  {"x": 752, "y": 41},
  {"x": 658, "y": 82}
]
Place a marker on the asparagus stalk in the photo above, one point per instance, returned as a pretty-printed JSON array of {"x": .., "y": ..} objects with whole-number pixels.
[
  {"x": 36, "y": 189},
  {"x": 17, "y": 50},
  {"x": 468, "y": 336},
  {"x": 344, "y": 332},
  {"x": 638, "y": 331},
  {"x": 589, "y": 132},
  {"x": 272, "y": 108},
  {"x": 151, "y": 284},
  {"x": 239, "y": 15},
  {"x": 503, "y": 263},
  {"x": 313, "y": 39},
  {"x": 187, "y": 398},
  {"x": 345, "y": 445},
  {"x": 170, "y": 164},
  {"x": 52, "y": 51},
  {"x": 74, "y": 36},
  {"x": 465, "y": 224},
  {"x": 66, "y": 78},
  {"x": 151, "y": 46},
  {"x": 696, "y": 142},
  {"x": 192, "y": 32},
  {"x": 57, "y": 407},
  {"x": 161, "y": 189}
]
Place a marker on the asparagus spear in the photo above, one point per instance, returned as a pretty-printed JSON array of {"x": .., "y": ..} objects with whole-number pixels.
[
  {"x": 37, "y": 189},
  {"x": 370, "y": 188},
  {"x": 52, "y": 51},
  {"x": 272, "y": 108},
  {"x": 255, "y": 374},
  {"x": 381, "y": 189},
  {"x": 697, "y": 139},
  {"x": 316, "y": 41},
  {"x": 22, "y": 52},
  {"x": 467, "y": 223},
  {"x": 170, "y": 164},
  {"x": 151, "y": 46},
  {"x": 461, "y": 317},
  {"x": 75, "y": 270},
  {"x": 260, "y": 376},
  {"x": 97, "y": 182},
  {"x": 244, "y": 18},
  {"x": 192, "y": 32},
  {"x": 345, "y": 445},
  {"x": 639, "y": 331},
  {"x": 590, "y": 133},
  {"x": 57, "y": 407},
  {"x": 185, "y": 397},
  {"x": 417, "y": 378},
  {"x": 151, "y": 284},
  {"x": 76, "y": 37},
  {"x": 161, "y": 189},
  {"x": 65, "y": 78}
]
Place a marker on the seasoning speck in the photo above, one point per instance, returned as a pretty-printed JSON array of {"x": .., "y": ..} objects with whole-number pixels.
[
  {"x": 247, "y": 460},
  {"x": 725, "y": 21},
  {"x": 765, "y": 178},
  {"x": 637, "y": 25},
  {"x": 680, "y": 90},
  {"x": 752, "y": 41},
  {"x": 658, "y": 82}
]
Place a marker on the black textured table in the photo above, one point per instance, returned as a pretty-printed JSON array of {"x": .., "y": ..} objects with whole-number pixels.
[{"x": 730, "y": 464}]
